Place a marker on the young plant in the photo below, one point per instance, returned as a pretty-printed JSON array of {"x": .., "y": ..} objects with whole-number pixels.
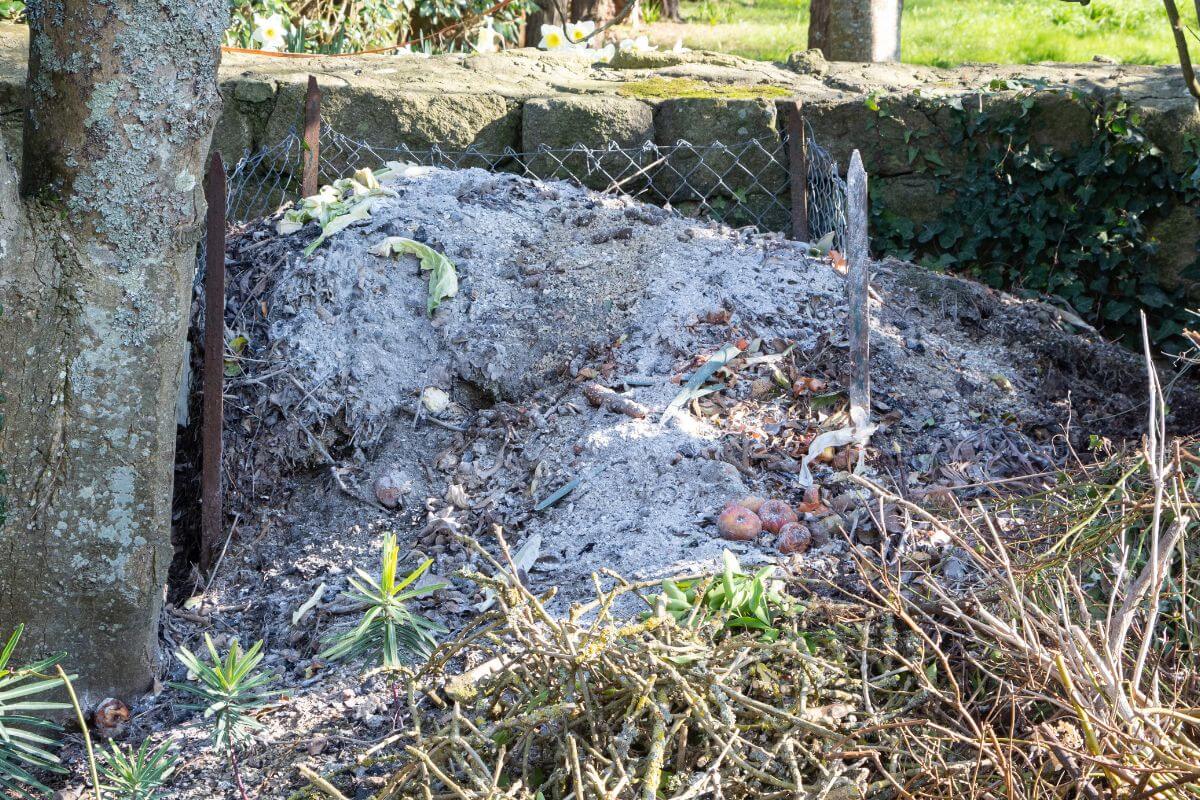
[
  {"x": 25, "y": 738},
  {"x": 129, "y": 774},
  {"x": 389, "y": 630},
  {"x": 735, "y": 599},
  {"x": 230, "y": 691}
]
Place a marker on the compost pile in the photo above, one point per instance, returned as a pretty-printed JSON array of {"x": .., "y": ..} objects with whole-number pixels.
[
  {"x": 550, "y": 395},
  {"x": 606, "y": 379}
]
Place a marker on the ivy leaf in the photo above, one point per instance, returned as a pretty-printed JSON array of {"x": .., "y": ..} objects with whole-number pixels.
[{"x": 1153, "y": 297}]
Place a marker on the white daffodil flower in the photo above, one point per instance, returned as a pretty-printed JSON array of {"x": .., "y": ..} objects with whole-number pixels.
[
  {"x": 270, "y": 32},
  {"x": 578, "y": 32},
  {"x": 485, "y": 40},
  {"x": 605, "y": 54},
  {"x": 553, "y": 38},
  {"x": 679, "y": 48},
  {"x": 642, "y": 45}
]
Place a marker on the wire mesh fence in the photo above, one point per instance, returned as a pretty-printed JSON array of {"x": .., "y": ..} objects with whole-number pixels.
[{"x": 744, "y": 184}]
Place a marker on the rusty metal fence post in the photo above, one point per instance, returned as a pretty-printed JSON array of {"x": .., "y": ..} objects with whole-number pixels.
[
  {"x": 312, "y": 138},
  {"x": 212, "y": 420},
  {"x": 798, "y": 169}
]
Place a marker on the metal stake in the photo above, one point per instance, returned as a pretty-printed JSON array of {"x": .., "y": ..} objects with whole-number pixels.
[
  {"x": 212, "y": 421},
  {"x": 798, "y": 166},
  {"x": 312, "y": 138}
]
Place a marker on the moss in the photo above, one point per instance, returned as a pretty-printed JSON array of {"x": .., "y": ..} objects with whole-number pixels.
[{"x": 672, "y": 88}]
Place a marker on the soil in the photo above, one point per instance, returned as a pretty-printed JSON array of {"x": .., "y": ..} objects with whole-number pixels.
[{"x": 560, "y": 288}]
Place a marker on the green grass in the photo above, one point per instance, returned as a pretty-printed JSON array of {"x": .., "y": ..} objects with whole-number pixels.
[{"x": 946, "y": 32}]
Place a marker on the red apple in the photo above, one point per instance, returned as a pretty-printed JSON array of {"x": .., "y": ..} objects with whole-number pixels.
[
  {"x": 793, "y": 538},
  {"x": 739, "y": 523},
  {"x": 775, "y": 514}
]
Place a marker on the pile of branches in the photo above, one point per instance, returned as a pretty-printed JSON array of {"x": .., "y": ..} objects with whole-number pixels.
[
  {"x": 1067, "y": 666},
  {"x": 592, "y": 707}
]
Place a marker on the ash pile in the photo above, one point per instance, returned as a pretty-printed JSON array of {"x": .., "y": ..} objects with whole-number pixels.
[{"x": 549, "y": 393}]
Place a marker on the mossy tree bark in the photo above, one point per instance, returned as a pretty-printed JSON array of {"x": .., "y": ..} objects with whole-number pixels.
[{"x": 97, "y": 252}]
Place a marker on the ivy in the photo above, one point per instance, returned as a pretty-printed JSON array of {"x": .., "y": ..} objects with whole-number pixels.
[{"x": 1028, "y": 218}]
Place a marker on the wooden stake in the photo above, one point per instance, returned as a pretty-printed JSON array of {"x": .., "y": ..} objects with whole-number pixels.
[
  {"x": 858, "y": 275},
  {"x": 213, "y": 419},
  {"x": 798, "y": 166},
  {"x": 312, "y": 138}
]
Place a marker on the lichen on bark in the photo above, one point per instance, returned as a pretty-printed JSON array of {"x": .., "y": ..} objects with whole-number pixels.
[{"x": 122, "y": 100}]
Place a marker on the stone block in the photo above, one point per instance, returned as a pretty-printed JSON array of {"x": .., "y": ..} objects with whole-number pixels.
[
  {"x": 388, "y": 117},
  {"x": 561, "y": 123},
  {"x": 735, "y": 147}
]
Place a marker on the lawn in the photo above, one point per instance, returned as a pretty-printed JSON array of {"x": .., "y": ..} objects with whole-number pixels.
[{"x": 945, "y": 32}]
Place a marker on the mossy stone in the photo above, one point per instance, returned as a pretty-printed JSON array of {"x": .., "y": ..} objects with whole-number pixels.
[
  {"x": 1175, "y": 262},
  {"x": 665, "y": 88}
]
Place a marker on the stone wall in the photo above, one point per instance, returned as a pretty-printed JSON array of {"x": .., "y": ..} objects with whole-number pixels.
[{"x": 523, "y": 99}]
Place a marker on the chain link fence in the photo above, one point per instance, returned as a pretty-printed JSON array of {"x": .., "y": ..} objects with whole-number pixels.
[{"x": 740, "y": 185}]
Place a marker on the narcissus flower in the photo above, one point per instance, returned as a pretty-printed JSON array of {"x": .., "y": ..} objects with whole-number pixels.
[
  {"x": 578, "y": 32},
  {"x": 605, "y": 54},
  {"x": 639, "y": 45},
  {"x": 270, "y": 32},
  {"x": 485, "y": 39},
  {"x": 553, "y": 38}
]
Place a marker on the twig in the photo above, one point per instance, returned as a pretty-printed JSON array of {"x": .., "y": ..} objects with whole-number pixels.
[
  {"x": 327, "y": 788},
  {"x": 1181, "y": 47},
  {"x": 87, "y": 737}
]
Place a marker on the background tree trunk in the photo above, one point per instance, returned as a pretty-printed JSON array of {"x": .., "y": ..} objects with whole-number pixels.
[
  {"x": 862, "y": 30},
  {"x": 600, "y": 11},
  {"x": 670, "y": 11},
  {"x": 818, "y": 26},
  {"x": 95, "y": 283},
  {"x": 546, "y": 15}
]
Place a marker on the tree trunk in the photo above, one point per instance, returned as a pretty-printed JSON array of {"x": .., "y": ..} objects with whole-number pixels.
[
  {"x": 818, "y": 26},
  {"x": 95, "y": 282},
  {"x": 547, "y": 14},
  {"x": 670, "y": 11},
  {"x": 863, "y": 30},
  {"x": 599, "y": 11}
]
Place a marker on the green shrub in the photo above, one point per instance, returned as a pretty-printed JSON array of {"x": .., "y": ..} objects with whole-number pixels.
[
  {"x": 733, "y": 599},
  {"x": 229, "y": 690},
  {"x": 1027, "y": 217},
  {"x": 389, "y": 630},
  {"x": 339, "y": 26},
  {"x": 129, "y": 774},
  {"x": 25, "y": 738}
]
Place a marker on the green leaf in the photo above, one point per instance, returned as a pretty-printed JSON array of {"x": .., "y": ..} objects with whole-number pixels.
[
  {"x": 443, "y": 278},
  {"x": 706, "y": 371}
]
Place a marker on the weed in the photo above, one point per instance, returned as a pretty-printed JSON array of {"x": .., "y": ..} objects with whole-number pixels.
[{"x": 389, "y": 629}]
